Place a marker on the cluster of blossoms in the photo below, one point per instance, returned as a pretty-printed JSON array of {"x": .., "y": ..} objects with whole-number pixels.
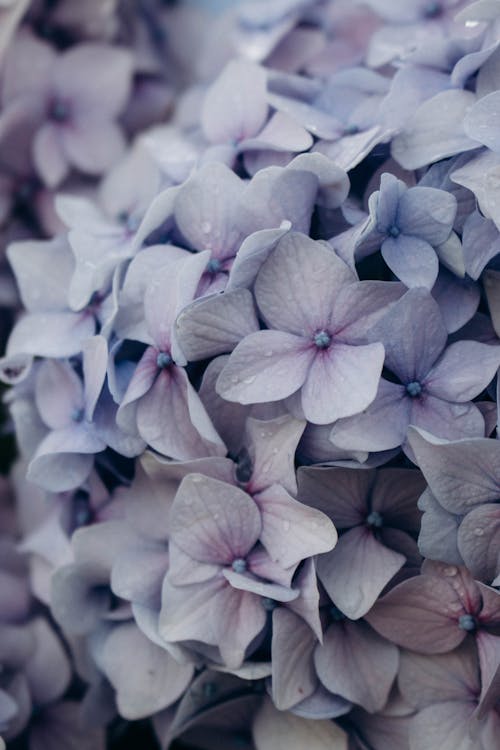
[{"x": 252, "y": 375}]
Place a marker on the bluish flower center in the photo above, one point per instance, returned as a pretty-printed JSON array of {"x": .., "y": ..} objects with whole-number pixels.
[
  {"x": 414, "y": 389},
  {"x": 394, "y": 231},
  {"x": 268, "y": 603},
  {"x": 77, "y": 415},
  {"x": 351, "y": 130},
  {"x": 467, "y": 622},
  {"x": 432, "y": 10},
  {"x": 59, "y": 111},
  {"x": 239, "y": 565},
  {"x": 322, "y": 339},
  {"x": 214, "y": 265},
  {"x": 130, "y": 222},
  {"x": 163, "y": 360},
  {"x": 375, "y": 519}
]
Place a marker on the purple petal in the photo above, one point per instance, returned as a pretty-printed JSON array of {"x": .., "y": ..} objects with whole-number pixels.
[
  {"x": 235, "y": 106},
  {"x": 95, "y": 362},
  {"x": 48, "y": 670},
  {"x": 49, "y": 156},
  {"x": 472, "y": 473},
  {"x": 58, "y": 393},
  {"x": 292, "y": 647},
  {"x": 478, "y": 122},
  {"x": 64, "y": 459},
  {"x": 341, "y": 494},
  {"x": 214, "y": 325},
  {"x": 435, "y": 130},
  {"x": 479, "y": 541},
  {"x": 96, "y": 76},
  {"x": 51, "y": 334},
  {"x": 246, "y": 582},
  {"x": 207, "y": 210},
  {"x": 413, "y": 260},
  {"x": 382, "y": 425},
  {"x": 213, "y": 521},
  {"x": 92, "y": 144},
  {"x": 292, "y": 531},
  {"x": 158, "y": 680},
  {"x": 456, "y": 376},
  {"x": 426, "y": 681},
  {"x": 40, "y": 289},
  {"x": 293, "y": 298},
  {"x": 254, "y": 250},
  {"x": 357, "y": 570},
  {"x": 265, "y": 366},
  {"x": 172, "y": 419},
  {"x": 168, "y": 292},
  {"x": 282, "y": 730},
  {"x": 413, "y": 334},
  {"x": 272, "y": 444},
  {"x": 357, "y": 664},
  {"x": 281, "y": 133},
  {"x": 427, "y": 213},
  {"x": 420, "y": 613},
  {"x": 341, "y": 381}
]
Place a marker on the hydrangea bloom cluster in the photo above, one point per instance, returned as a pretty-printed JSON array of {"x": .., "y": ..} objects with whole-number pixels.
[{"x": 253, "y": 297}]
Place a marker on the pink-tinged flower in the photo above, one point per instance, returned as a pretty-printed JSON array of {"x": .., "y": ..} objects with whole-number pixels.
[
  {"x": 376, "y": 513},
  {"x": 67, "y": 103},
  {"x": 221, "y": 578},
  {"x": 236, "y": 112},
  {"x": 159, "y": 387},
  {"x": 318, "y": 316},
  {"x": 436, "y": 611},
  {"x": 445, "y": 690}
]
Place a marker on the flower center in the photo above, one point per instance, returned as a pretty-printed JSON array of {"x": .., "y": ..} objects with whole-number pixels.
[
  {"x": 77, "y": 415},
  {"x": 163, "y": 360},
  {"x": 239, "y": 565},
  {"x": 375, "y": 519},
  {"x": 214, "y": 265},
  {"x": 129, "y": 221},
  {"x": 322, "y": 339},
  {"x": 432, "y": 10},
  {"x": 413, "y": 389},
  {"x": 394, "y": 231},
  {"x": 59, "y": 111},
  {"x": 268, "y": 603},
  {"x": 467, "y": 622}
]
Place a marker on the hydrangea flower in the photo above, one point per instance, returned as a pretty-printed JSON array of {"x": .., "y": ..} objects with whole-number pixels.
[{"x": 315, "y": 339}]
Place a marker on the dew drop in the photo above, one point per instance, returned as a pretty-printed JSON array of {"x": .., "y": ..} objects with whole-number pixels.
[
  {"x": 206, "y": 227},
  {"x": 286, "y": 525},
  {"x": 234, "y": 379},
  {"x": 451, "y": 571},
  {"x": 249, "y": 380},
  {"x": 479, "y": 532}
]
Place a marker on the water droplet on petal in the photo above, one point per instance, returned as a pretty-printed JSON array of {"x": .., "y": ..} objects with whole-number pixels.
[
  {"x": 286, "y": 525},
  {"x": 249, "y": 380},
  {"x": 479, "y": 532},
  {"x": 451, "y": 571},
  {"x": 234, "y": 379},
  {"x": 206, "y": 227}
]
